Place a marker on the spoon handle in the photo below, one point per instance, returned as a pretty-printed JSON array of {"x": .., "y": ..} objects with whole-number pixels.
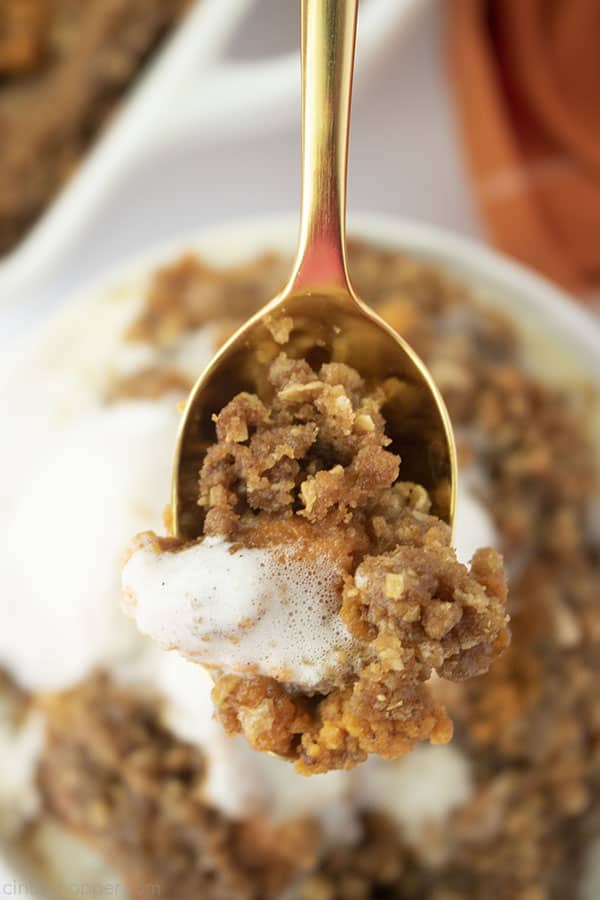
[{"x": 328, "y": 41}]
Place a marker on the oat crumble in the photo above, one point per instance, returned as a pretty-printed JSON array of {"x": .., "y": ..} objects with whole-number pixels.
[{"x": 317, "y": 454}]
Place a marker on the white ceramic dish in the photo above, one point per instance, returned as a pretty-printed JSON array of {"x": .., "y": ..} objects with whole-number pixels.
[
  {"x": 558, "y": 328},
  {"x": 564, "y": 340},
  {"x": 189, "y": 91}
]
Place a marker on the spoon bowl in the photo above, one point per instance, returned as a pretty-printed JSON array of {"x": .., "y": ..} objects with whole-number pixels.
[
  {"x": 318, "y": 316},
  {"x": 321, "y": 327}
]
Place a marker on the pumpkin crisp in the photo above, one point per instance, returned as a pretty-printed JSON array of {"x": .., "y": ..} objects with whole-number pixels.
[
  {"x": 313, "y": 467},
  {"x": 529, "y": 728}
]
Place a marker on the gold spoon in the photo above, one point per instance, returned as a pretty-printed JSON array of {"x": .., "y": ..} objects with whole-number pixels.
[{"x": 328, "y": 321}]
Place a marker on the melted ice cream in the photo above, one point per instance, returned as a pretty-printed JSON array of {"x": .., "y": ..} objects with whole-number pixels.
[{"x": 242, "y": 610}]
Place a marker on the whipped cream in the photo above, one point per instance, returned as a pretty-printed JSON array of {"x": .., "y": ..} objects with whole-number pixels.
[{"x": 241, "y": 610}]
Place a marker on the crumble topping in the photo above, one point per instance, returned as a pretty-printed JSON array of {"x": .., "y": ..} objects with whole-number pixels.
[
  {"x": 317, "y": 453},
  {"x": 114, "y": 774},
  {"x": 530, "y": 727}
]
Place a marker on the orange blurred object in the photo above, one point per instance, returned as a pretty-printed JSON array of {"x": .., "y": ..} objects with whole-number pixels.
[{"x": 526, "y": 75}]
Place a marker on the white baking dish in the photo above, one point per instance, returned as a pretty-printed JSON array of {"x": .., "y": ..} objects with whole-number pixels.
[{"x": 564, "y": 340}]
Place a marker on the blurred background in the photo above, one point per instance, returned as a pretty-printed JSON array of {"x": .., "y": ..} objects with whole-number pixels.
[{"x": 207, "y": 147}]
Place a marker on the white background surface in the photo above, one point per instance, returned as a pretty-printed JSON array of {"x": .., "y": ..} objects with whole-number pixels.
[{"x": 405, "y": 159}]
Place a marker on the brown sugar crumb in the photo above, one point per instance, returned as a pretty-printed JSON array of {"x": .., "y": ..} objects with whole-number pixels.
[
  {"x": 280, "y": 328},
  {"x": 426, "y": 611},
  {"x": 134, "y": 792},
  {"x": 416, "y": 611},
  {"x": 384, "y": 713},
  {"x": 311, "y": 466},
  {"x": 150, "y": 384},
  {"x": 376, "y": 868},
  {"x": 190, "y": 293},
  {"x": 263, "y": 710},
  {"x": 308, "y": 454}
]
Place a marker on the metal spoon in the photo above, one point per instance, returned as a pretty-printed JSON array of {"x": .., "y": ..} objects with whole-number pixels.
[{"x": 329, "y": 322}]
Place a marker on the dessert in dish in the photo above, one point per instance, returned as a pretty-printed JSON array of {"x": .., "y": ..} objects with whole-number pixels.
[
  {"x": 64, "y": 65},
  {"x": 114, "y": 770},
  {"x": 324, "y": 594}
]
